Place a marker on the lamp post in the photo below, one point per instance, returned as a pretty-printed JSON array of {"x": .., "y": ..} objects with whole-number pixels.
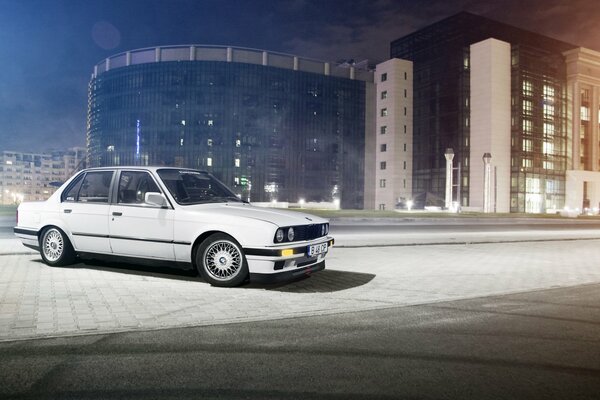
[
  {"x": 449, "y": 154},
  {"x": 487, "y": 187}
]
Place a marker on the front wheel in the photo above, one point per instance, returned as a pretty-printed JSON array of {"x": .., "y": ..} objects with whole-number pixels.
[
  {"x": 221, "y": 261},
  {"x": 55, "y": 247}
]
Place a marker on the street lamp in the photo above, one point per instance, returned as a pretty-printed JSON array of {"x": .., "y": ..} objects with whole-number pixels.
[
  {"x": 487, "y": 187},
  {"x": 449, "y": 154}
]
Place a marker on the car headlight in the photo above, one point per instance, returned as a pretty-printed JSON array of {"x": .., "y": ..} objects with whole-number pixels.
[
  {"x": 323, "y": 230},
  {"x": 326, "y": 229},
  {"x": 279, "y": 235},
  {"x": 290, "y": 234}
]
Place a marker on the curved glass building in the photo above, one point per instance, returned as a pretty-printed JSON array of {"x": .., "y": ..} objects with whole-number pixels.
[{"x": 272, "y": 126}]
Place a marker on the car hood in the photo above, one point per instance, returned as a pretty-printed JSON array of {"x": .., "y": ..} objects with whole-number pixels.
[{"x": 275, "y": 216}]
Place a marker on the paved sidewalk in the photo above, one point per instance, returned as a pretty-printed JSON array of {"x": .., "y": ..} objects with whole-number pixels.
[{"x": 38, "y": 301}]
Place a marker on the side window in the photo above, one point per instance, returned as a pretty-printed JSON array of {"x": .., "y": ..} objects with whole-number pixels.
[
  {"x": 133, "y": 186},
  {"x": 70, "y": 194},
  {"x": 95, "y": 187}
]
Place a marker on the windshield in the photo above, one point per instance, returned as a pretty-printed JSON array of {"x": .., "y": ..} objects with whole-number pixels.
[{"x": 195, "y": 187}]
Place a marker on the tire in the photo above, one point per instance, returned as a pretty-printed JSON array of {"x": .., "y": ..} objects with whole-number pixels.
[
  {"x": 221, "y": 261},
  {"x": 55, "y": 247}
]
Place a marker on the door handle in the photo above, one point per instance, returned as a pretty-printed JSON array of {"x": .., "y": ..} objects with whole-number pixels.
[
  {"x": 67, "y": 211},
  {"x": 117, "y": 214}
]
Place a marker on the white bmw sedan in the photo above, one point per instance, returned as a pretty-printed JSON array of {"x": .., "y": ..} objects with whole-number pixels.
[{"x": 175, "y": 216}]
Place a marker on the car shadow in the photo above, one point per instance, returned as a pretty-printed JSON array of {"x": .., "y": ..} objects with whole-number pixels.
[
  {"x": 325, "y": 281},
  {"x": 320, "y": 282}
]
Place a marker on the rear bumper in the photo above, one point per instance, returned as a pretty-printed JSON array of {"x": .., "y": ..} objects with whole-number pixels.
[
  {"x": 29, "y": 237},
  {"x": 287, "y": 275}
]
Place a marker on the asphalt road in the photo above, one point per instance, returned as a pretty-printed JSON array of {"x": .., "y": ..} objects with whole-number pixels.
[
  {"x": 7, "y": 222},
  {"x": 536, "y": 345}
]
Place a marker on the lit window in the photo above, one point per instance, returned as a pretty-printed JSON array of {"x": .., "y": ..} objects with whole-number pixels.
[
  {"x": 237, "y": 162},
  {"x": 236, "y": 180},
  {"x": 384, "y": 112},
  {"x": 548, "y": 148},
  {"x": 209, "y": 142},
  {"x": 209, "y": 162},
  {"x": 527, "y": 107},
  {"x": 527, "y": 88},
  {"x": 384, "y": 95},
  {"x": 383, "y": 130},
  {"x": 210, "y": 122},
  {"x": 585, "y": 113},
  {"x": 548, "y": 165},
  {"x": 383, "y": 147},
  {"x": 383, "y": 165},
  {"x": 527, "y": 145},
  {"x": 183, "y": 122},
  {"x": 548, "y": 129},
  {"x": 548, "y": 93},
  {"x": 383, "y": 77},
  {"x": 527, "y": 163},
  {"x": 238, "y": 143},
  {"x": 527, "y": 126},
  {"x": 548, "y": 110}
]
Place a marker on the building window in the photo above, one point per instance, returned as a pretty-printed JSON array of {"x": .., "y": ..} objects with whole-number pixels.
[
  {"x": 384, "y": 95},
  {"x": 382, "y": 165},
  {"x": 404, "y": 183},
  {"x": 548, "y": 129},
  {"x": 237, "y": 162},
  {"x": 548, "y": 93},
  {"x": 209, "y": 142},
  {"x": 209, "y": 162},
  {"x": 404, "y": 110},
  {"x": 384, "y": 112},
  {"x": 404, "y": 165},
  {"x": 405, "y": 76},
  {"x": 238, "y": 143},
  {"x": 383, "y": 147},
  {"x": 585, "y": 113},
  {"x": 527, "y": 145},
  {"x": 527, "y": 163},
  {"x": 548, "y": 111},
  {"x": 382, "y": 183},
  {"x": 383, "y": 77},
  {"x": 527, "y": 126},
  {"x": 404, "y": 128},
  {"x": 383, "y": 130},
  {"x": 382, "y": 207},
  {"x": 527, "y": 107},
  {"x": 404, "y": 146},
  {"x": 548, "y": 165},
  {"x": 548, "y": 148},
  {"x": 527, "y": 88},
  {"x": 405, "y": 93}
]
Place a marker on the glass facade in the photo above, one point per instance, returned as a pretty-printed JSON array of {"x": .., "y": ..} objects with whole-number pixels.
[
  {"x": 269, "y": 133},
  {"x": 441, "y": 62}
]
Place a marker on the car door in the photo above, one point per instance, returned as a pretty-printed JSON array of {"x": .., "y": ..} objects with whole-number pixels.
[
  {"x": 138, "y": 229},
  {"x": 84, "y": 211}
]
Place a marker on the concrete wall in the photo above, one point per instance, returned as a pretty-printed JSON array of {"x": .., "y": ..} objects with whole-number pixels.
[{"x": 490, "y": 121}]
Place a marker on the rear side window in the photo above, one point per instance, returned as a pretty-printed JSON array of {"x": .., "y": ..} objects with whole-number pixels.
[
  {"x": 71, "y": 193},
  {"x": 95, "y": 187}
]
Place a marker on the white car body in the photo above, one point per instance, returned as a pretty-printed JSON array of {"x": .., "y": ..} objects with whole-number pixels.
[{"x": 172, "y": 232}]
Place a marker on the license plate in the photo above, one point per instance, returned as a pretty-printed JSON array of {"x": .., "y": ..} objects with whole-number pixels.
[{"x": 316, "y": 249}]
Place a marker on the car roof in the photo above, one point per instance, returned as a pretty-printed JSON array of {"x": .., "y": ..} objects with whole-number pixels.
[{"x": 138, "y": 167}]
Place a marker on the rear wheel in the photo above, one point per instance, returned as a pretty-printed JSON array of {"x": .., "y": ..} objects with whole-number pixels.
[
  {"x": 221, "y": 261},
  {"x": 55, "y": 247}
]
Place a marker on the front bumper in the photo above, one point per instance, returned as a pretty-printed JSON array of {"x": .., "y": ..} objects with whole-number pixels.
[
  {"x": 287, "y": 275},
  {"x": 285, "y": 261}
]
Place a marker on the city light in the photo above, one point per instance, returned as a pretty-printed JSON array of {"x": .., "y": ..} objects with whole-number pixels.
[{"x": 409, "y": 205}]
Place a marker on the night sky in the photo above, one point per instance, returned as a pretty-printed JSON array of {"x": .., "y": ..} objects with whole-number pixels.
[{"x": 48, "y": 48}]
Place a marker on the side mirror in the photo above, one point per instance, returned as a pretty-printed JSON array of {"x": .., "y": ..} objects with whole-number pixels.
[{"x": 155, "y": 199}]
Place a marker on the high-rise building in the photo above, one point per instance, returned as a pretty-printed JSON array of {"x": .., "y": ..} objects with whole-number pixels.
[
  {"x": 483, "y": 87},
  {"x": 272, "y": 126}
]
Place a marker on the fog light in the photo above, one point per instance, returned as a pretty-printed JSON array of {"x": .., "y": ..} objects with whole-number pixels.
[{"x": 287, "y": 252}]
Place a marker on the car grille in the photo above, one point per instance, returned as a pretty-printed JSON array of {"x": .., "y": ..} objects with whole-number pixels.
[{"x": 308, "y": 232}]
